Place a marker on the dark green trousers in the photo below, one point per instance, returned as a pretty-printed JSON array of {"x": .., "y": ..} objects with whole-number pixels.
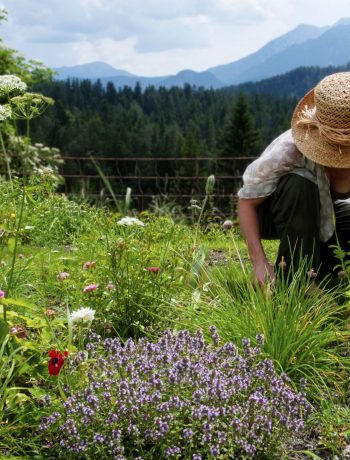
[{"x": 292, "y": 215}]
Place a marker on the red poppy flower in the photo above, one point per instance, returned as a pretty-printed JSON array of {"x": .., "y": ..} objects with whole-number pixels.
[{"x": 56, "y": 361}]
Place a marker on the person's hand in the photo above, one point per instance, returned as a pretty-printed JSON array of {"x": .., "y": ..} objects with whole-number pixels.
[{"x": 264, "y": 273}]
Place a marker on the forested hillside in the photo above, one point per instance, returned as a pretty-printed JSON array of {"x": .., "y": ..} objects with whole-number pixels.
[
  {"x": 185, "y": 121},
  {"x": 165, "y": 122},
  {"x": 89, "y": 118},
  {"x": 294, "y": 83}
]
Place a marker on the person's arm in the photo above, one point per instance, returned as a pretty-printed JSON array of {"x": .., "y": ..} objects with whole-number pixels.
[{"x": 248, "y": 221}]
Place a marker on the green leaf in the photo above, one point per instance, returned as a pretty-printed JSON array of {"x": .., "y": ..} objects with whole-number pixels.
[
  {"x": 11, "y": 243},
  {"x": 20, "y": 303},
  {"x": 3, "y": 330},
  {"x": 309, "y": 454}
]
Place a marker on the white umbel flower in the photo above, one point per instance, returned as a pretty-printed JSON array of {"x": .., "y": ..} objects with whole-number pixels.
[
  {"x": 5, "y": 112},
  {"x": 130, "y": 221},
  {"x": 10, "y": 85},
  {"x": 83, "y": 314}
]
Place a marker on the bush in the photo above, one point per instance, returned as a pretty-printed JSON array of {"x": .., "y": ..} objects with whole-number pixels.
[{"x": 177, "y": 398}]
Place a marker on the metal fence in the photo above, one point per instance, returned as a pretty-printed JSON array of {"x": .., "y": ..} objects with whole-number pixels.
[{"x": 176, "y": 179}]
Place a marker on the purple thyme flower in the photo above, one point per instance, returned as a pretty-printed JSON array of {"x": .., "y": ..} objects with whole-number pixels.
[{"x": 178, "y": 391}]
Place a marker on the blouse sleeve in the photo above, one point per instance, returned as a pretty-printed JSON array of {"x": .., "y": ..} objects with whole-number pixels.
[{"x": 261, "y": 176}]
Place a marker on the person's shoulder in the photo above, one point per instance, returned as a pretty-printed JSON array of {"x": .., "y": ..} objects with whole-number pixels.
[
  {"x": 286, "y": 138},
  {"x": 282, "y": 146}
]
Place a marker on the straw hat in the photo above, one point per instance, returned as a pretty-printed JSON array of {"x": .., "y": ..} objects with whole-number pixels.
[{"x": 321, "y": 122}]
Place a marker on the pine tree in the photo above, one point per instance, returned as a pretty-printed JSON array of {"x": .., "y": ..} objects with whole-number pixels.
[{"x": 241, "y": 138}]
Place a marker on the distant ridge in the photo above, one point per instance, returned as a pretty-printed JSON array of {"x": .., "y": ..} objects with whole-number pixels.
[
  {"x": 295, "y": 83},
  {"x": 306, "y": 45},
  {"x": 231, "y": 73},
  {"x": 330, "y": 48},
  {"x": 91, "y": 70}
]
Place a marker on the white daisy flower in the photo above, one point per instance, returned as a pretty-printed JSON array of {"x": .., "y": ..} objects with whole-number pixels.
[
  {"x": 83, "y": 314},
  {"x": 130, "y": 221}
]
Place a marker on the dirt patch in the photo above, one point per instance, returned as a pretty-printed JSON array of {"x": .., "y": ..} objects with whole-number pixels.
[{"x": 217, "y": 257}]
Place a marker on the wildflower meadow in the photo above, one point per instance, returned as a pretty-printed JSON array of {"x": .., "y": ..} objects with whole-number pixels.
[{"x": 141, "y": 335}]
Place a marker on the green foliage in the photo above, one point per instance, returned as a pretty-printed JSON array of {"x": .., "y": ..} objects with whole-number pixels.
[
  {"x": 164, "y": 122},
  {"x": 178, "y": 397},
  {"x": 16, "y": 104},
  {"x": 137, "y": 279},
  {"x": 295, "y": 83},
  {"x": 89, "y": 119},
  {"x": 332, "y": 425},
  {"x": 306, "y": 333},
  {"x": 37, "y": 158},
  {"x": 142, "y": 279},
  {"x": 241, "y": 138}
]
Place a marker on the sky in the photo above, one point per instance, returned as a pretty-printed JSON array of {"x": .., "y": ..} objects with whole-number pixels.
[{"x": 155, "y": 37}]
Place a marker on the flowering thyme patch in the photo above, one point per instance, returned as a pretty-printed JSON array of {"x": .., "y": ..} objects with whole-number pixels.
[{"x": 178, "y": 398}]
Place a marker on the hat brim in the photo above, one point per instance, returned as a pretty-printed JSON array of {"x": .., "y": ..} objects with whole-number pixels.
[{"x": 312, "y": 144}]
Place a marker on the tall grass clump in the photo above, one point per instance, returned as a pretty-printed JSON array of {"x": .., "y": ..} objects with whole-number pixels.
[{"x": 305, "y": 329}]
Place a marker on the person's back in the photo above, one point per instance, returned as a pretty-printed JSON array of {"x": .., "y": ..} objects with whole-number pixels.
[{"x": 298, "y": 190}]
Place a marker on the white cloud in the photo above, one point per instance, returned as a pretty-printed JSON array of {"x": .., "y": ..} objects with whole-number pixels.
[
  {"x": 72, "y": 19},
  {"x": 155, "y": 36},
  {"x": 169, "y": 34},
  {"x": 108, "y": 50}
]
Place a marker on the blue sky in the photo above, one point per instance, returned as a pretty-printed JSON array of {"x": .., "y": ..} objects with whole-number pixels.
[{"x": 155, "y": 37}]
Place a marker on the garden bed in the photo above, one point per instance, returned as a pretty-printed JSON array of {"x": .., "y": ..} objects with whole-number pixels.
[{"x": 142, "y": 337}]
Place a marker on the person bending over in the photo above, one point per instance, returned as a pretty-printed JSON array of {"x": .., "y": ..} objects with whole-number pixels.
[{"x": 298, "y": 190}]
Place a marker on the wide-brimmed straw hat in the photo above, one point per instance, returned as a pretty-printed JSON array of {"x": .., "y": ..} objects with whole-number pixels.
[{"x": 321, "y": 122}]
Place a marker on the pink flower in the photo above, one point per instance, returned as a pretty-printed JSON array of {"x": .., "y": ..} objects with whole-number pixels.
[
  {"x": 89, "y": 264},
  {"x": 153, "y": 269},
  {"x": 90, "y": 287},
  {"x": 227, "y": 224},
  {"x": 282, "y": 264},
  {"x": 18, "y": 331},
  {"x": 312, "y": 273},
  {"x": 62, "y": 276},
  {"x": 50, "y": 312},
  {"x": 110, "y": 286},
  {"x": 2, "y": 294}
]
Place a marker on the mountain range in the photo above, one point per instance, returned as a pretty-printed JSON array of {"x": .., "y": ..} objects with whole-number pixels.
[{"x": 306, "y": 45}]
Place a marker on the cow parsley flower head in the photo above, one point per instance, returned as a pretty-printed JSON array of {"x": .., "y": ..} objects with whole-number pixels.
[
  {"x": 29, "y": 105},
  {"x": 5, "y": 112},
  {"x": 83, "y": 314},
  {"x": 130, "y": 221},
  {"x": 10, "y": 85}
]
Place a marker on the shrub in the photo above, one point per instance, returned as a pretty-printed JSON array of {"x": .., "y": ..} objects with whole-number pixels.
[
  {"x": 305, "y": 329},
  {"x": 177, "y": 398}
]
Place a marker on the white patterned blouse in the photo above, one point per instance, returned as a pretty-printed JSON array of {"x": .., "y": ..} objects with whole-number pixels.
[{"x": 282, "y": 157}]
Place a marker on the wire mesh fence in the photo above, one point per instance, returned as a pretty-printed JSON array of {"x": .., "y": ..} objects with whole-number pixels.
[{"x": 154, "y": 178}]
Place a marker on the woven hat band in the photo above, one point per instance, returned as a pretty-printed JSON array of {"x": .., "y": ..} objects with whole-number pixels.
[
  {"x": 308, "y": 118},
  {"x": 321, "y": 122}
]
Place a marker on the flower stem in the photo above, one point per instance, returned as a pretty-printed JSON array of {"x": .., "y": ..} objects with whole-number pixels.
[
  {"x": 7, "y": 160},
  {"x": 9, "y": 284}
]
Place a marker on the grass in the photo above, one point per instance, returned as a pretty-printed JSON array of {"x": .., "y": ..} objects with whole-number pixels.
[{"x": 306, "y": 334}]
